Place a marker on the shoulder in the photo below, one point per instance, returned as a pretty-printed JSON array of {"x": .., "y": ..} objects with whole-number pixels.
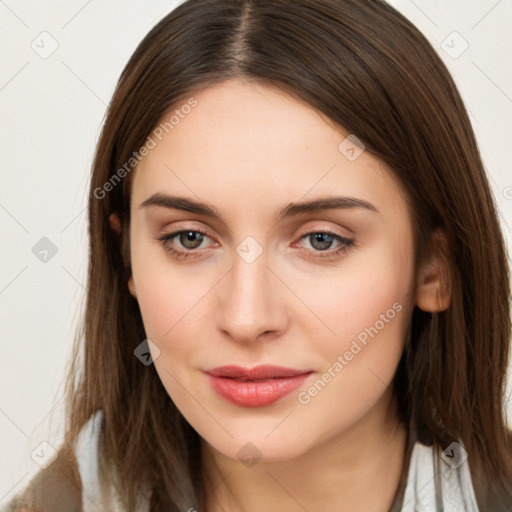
[
  {"x": 58, "y": 488},
  {"x": 55, "y": 488},
  {"x": 75, "y": 482}
]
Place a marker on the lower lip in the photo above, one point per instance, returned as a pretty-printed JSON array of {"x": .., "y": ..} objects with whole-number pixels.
[{"x": 256, "y": 393}]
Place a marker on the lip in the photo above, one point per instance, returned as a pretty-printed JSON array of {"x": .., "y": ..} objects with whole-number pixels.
[{"x": 256, "y": 387}]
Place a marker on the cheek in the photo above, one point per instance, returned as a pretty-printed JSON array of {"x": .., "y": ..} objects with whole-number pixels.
[
  {"x": 366, "y": 299},
  {"x": 169, "y": 301},
  {"x": 166, "y": 291},
  {"x": 367, "y": 308},
  {"x": 174, "y": 301}
]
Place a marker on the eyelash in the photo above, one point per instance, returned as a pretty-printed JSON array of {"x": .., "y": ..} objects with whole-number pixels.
[{"x": 346, "y": 243}]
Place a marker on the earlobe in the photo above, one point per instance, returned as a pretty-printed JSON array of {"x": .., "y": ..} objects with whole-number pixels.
[
  {"x": 131, "y": 287},
  {"x": 433, "y": 292}
]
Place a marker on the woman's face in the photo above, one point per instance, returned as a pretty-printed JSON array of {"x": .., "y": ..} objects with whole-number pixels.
[{"x": 324, "y": 292}]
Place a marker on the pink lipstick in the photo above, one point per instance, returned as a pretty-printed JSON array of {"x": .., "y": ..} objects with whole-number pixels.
[{"x": 256, "y": 387}]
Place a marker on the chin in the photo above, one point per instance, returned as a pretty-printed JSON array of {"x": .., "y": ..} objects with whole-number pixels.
[{"x": 259, "y": 447}]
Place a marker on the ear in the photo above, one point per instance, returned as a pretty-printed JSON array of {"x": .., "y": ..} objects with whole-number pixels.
[
  {"x": 131, "y": 287},
  {"x": 433, "y": 290},
  {"x": 115, "y": 222}
]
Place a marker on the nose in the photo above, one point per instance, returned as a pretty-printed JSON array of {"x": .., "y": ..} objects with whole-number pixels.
[{"x": 251, "y": 302}]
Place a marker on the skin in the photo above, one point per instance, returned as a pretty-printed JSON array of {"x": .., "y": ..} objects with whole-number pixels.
[{"x": 248, "y": 150}]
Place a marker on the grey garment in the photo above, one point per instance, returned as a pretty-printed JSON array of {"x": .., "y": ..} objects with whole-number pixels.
[{"x": 53, "y": 489}]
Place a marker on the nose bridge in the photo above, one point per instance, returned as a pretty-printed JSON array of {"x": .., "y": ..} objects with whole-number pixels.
[{"x": 248, "y": 305}]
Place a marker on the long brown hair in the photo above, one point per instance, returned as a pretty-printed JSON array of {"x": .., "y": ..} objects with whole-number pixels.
[{"x": 371, "y": 72}]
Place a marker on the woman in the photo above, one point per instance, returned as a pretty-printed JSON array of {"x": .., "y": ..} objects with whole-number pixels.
[{"x": 298, "y": 290}]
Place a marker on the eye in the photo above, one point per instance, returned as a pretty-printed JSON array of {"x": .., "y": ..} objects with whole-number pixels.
[
  {"x": 189, "y": 239},
  {"x": 322, "y": 241}
]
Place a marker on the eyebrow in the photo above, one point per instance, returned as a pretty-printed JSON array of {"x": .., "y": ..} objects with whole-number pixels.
[{"x": 290, "y": 210}]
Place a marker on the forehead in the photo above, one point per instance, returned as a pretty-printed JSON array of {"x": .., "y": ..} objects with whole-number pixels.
[{"x": 245, "y": 142}]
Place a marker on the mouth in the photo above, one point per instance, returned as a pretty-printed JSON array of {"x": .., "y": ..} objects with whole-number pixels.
[{"x": 256, "y": 387}]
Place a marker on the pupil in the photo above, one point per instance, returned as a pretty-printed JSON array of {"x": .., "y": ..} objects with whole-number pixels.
[
  {"x": 191, "y": 236},
  {"x": 324, "y": 239}
]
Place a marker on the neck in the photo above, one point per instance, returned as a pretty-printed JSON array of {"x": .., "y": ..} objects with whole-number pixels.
[{"x": 358, "y": 469}]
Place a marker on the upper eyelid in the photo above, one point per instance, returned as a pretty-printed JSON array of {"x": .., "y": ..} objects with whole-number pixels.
[{"x": 301, "y": 231}]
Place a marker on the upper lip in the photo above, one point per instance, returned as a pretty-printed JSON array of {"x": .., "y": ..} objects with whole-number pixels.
[{"x": 258, "y": 372}]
